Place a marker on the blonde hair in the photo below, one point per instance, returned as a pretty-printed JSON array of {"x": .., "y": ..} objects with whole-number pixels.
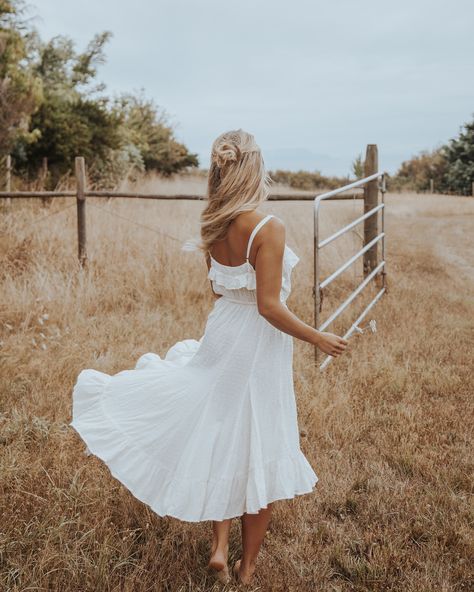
[{"x": 237, "y": 182}]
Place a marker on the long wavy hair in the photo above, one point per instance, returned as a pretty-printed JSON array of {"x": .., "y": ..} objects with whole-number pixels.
[{"x": 237, "y": 182}]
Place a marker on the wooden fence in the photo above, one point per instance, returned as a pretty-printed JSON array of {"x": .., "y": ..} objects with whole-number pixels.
[{"x": 81, "y": 194}]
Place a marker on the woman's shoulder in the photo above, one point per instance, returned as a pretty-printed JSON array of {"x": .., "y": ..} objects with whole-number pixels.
[
  {"x": 247, "y": 221},
  {"x": 273, "y": 232}
]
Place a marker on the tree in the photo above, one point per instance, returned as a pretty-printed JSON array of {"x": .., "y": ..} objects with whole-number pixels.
[
  {"x": 65, "y": 72},
  {"x": 358, "y": 167},
  {"x": 51, "y": 105},
  {"x": 146, "y": 126},
  {"x": 76, "y": 118},
  {"x": 459, "y": 154},
  {"x": 20, "y": 88},
  {"x": 71, "y": 119}
]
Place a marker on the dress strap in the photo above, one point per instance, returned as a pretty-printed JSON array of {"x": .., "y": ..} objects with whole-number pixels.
[{"x": 254, "y": 232}]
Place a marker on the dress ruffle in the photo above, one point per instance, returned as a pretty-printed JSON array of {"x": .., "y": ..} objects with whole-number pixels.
[
  {"x": 178, "y": 355},
  {"x": 233, "y": 281},
  {"x": 155, "y": 485},
  {"x": 244, "y": 276},
  {"x": 292, "y": 258}
]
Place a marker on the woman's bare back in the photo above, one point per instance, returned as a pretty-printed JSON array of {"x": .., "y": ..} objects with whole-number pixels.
[{"x": 231, "y": 250}]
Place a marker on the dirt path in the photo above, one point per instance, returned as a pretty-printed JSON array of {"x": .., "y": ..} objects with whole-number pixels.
[{"x": 442, "y": 224}]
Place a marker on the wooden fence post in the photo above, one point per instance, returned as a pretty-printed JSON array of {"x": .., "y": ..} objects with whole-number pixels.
[
  {"x": 43, "y": 179},
  {"x": 81, "y": 208},
  {"x": 371, "y": 198},
  {"x": 431, "y": 185},
  {"x": 8, "y": 178},
  {"x": 44, "y": 170}
]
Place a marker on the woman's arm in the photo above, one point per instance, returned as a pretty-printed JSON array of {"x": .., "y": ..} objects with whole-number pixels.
[{"x": 270, "y": 244}]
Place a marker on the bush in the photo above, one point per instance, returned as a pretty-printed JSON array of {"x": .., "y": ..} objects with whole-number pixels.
[
  {"x": 415, "y": 174},
  {"x": 306, "y": 180}
]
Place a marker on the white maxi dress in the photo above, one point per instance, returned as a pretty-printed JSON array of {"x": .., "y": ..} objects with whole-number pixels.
[{"x": 210, "y": 431}]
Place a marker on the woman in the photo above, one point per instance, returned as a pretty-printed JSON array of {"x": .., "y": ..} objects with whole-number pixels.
[{"x": 210, "y": 432}]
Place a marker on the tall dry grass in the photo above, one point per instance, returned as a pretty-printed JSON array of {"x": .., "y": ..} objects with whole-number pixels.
[{"x": 387, "y": 427}]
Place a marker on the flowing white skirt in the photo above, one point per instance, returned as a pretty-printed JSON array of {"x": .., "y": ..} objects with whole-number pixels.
[{"x": 209, "y": 432}]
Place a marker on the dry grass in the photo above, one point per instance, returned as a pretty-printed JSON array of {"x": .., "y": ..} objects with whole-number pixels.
[{"x": 387, "y": 427}]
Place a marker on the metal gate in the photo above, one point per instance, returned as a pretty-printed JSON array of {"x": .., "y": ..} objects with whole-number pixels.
[{"x": 370, "y": 248}]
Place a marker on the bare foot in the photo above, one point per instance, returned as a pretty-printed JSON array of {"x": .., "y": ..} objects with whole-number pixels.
[
  {"x": 243, "y": 576},
  {"x": 218, "y": 565}
]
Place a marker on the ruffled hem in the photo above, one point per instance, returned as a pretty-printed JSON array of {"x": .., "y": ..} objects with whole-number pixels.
[
  {"x": 157, "y": 486},
  {"x": 178, "y": 355}
]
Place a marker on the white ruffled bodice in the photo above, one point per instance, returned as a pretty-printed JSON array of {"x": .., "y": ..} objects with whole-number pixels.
[{"x": 239, "y": 282}]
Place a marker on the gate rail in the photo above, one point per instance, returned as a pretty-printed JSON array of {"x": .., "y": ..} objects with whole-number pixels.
[{"x": 372, "y": 184}]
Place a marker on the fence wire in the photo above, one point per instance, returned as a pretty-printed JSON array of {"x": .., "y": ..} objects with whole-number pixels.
[
  {"x": 151, "y": 229},
  {"x": 134, "y": 222},
  {"x": 38, "y": 220}
]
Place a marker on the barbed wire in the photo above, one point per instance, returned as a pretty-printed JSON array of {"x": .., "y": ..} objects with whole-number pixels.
[
  {"x": 38, "y": 220},
  {"x": 151, "y": 229}
]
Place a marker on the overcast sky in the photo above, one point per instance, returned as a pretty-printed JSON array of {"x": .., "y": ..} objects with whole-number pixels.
[{"x": 314, "y": 81}]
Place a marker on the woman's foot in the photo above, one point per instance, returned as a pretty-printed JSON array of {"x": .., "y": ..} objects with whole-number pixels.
[
  {"x": 243, "y": 575},
  {"x": 218, "y": 565}
]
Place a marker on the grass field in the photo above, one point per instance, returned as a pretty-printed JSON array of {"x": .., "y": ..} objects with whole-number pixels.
[{"x": 387, "y": 427}]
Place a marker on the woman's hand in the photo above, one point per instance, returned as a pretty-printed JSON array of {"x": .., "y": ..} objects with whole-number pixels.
[{"x": 330, "y": 344}]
